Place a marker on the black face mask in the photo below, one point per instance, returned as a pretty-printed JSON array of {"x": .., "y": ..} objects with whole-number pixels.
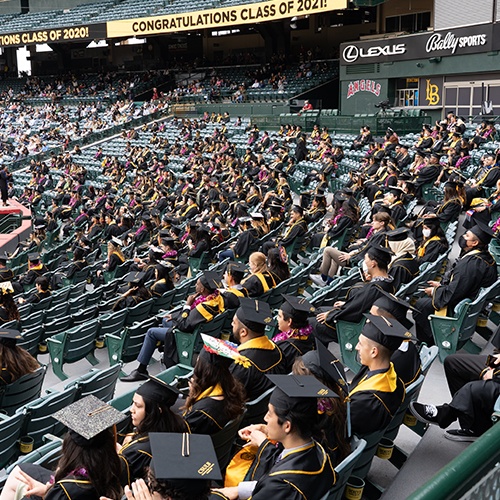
[{"x": 462, "y": 243}]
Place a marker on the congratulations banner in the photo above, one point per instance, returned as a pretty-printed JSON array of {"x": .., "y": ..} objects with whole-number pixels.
[{"x": 221, "y": 17}]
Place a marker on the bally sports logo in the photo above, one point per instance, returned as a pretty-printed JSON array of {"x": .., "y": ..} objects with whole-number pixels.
[{"x": 352, "y": 53}]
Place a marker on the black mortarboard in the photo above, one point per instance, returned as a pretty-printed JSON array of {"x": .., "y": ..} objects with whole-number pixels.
[
  {"x": 435, "y": 155},
  {"x": 9, "y": 336},
  {"x": 399, "y": 234},
  {"x": 298, "y": 308},
  {"x": 168, "y": 241},
  {"x": 384, "y": 209},
  {"x": 405, "y": 176},
  {"x": 176, "y": 229},
  {"x": 33, "y": 257},
  {"x": 381, "y": 253},
  {"x": 211, "y": 280},
  {"x": 298, "y": 393},
  {"x": 431, "y": 221},
  {"x": 323, "y": 364},
  {"x": 158, "y": 391},
  {"x": 387, "y": 332},
  {"x": 4, "y": 257},
  {"x": 187, "y": 460},
  {"x": 237, "y": 269},
  {"x": 156, "y": 251},
  {"x": 134, "y": 277},
  {"x": 146, "y": 216},
  {"x": 164, "y": 232},
  {"x": 88, "y": 417},
  {"x": 298, "y": 209},
  {"x": 483, "y": 232},
  {"x": 396, "y": 191},
  {"x": 454, "y": 184},
  {"x": 340, "y": 196},
  {"x": 254, "y": 314},
  {"x": 395, "y": 306}
]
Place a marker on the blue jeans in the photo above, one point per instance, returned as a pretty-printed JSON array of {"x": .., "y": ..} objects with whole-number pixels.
[
  {"x": 226, "y": 253},
  {"x": 153, "y": 336}
]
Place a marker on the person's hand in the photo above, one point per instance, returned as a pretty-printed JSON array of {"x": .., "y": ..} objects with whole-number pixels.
[
  {"x": 246, "y": 431},
  {"x": 191, "y": 299},
  {"x": 321, "y": 317},
  {"x": 231, "y": 492},
  {"x": 344, "y": 257},
  {"x": 339, "y": 303},
  {"x": 480, "y": 208},
  {"x": 21, "y": 300},
  {"x": 488, "y": 374},
  {"x": 33, "y": 487},
  {"x": 434, "y": 284}
]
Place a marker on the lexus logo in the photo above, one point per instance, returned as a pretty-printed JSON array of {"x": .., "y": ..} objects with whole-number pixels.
[{"x": 351, "y": 53}]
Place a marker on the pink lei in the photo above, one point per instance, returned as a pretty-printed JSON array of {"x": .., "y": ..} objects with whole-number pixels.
[{"x": 293, "y": 334}]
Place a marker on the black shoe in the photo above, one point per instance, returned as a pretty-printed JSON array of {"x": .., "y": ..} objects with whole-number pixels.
[
  {"x": 425, "y": 413},
  {"x": 135, "y": 376},
  {"x": 463, "y": 435}
]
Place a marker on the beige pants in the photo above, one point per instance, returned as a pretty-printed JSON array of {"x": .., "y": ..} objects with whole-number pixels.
[{"x": 330, "y": 263}]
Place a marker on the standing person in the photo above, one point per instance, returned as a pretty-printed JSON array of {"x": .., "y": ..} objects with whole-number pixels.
[
  {"x": 89, "y": 467},
  {"x": 5, "y": 177}
]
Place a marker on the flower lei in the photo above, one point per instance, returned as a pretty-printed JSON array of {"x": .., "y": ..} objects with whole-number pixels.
[
  {"x": 201, "y": 299},
  {"x": 294, "y": 334}
]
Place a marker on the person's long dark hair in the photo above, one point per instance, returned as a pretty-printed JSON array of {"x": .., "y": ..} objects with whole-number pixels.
[
  {"x": 7, "y": 302},
  {"x": 100, "y": 460},
  {"x": 276, "y": 265},
  {"x": 159, "y": 418},
  {"x": 208, "y": 374},
  {"x": 16, "y": 360}
]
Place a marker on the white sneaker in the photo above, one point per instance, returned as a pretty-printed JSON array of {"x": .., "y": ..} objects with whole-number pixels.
[{"x": 318, "y": 280}]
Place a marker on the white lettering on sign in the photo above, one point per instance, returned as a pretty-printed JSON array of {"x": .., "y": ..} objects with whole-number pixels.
[
  {"x": 363, "y": 86},
  {"x": 450, "y": 42},
  {"x": 351, "y": 53}
]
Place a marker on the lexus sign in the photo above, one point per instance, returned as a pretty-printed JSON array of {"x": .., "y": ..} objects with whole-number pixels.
[{"x": 457, "y": 41}]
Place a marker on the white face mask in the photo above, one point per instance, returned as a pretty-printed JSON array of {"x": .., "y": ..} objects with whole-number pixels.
[
  {"x": 426, "y": 233},
  {"x": 365, "y": 268}
]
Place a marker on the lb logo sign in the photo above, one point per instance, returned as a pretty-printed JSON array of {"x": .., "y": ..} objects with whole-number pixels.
[{"x": 363, "y": 86}]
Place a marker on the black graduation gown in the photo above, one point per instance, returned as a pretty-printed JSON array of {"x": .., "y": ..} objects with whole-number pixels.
[
  {"x": 297, "y": 229},
  {"x": 206, "y": 416},
  {"x": 403, "y": 270},
  {"x": 375, "y": 397},
  {"x": 188, "y": 319},
  {"x": 262, "y": 357},
  {"x": 158, "y": 288},
  {"x": 36, "y": 297},
  {"x": 135, "y": 457},
  {"x": 302, "y": 474},
  {"x": 406, "y": 361},
  {"x": 449, "y": 211},
  {"x": 259, "y": 283},
  {"x": 232, "y": 295},
  {"x": 6, "y": 274},
  {"x": 359, "y": 300},
  {"x": 398, "y": 211},
  {"x": 432, "y": 251},
  {"x": 34, "y": 273},
  {"x": 5, "y": 376},
  {"x": 246, "y": 240},
  {"x": 293, "y": 347},
  {"x": 114, "y": 261},
  {"x": 426, "y": 175}
]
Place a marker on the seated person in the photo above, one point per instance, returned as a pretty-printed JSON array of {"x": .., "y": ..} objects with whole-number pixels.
[
  {"x": 376, "y": 392},
  {"x": 260, "y": 355},
  {"x": 295, "y": 336},
  {"x": 261, "y": 279},
  {"x": 302, "y": 464},
  {"x": 41, "y": 292},
  {"x": 135, "y": 294},
  {"x": 359, "y": 298},
  {"x": 15, "y": 362},
  {"x": 200, "y": 307},
  {"x": 403, "y": 267},
  {"x": 296, "y": 228},
  {"x": 234, "y": 290},
  {"x": 472, "y": 405}
]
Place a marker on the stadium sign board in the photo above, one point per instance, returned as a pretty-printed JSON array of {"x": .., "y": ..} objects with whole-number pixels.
[
  {"x": 248, "y": 13},
  {"x": 457, "y": 41},
  {"x": 80, "y": 33}
]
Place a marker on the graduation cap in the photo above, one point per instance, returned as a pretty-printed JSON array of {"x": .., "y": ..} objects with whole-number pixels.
[
  {"x": 431, "y": 221},
  {"x": 254, "y": 314},
  {"x": 399, "y": 234},
  {"x": 34, "y": 257},
  {"x": 340, "y": 196},
  {"x": 6, "y": 288},
  {"x": 8, "y": 336},
  {"x": 4, "y": 257},
  {"x": 298, "y": 308},
  {"x": 483, "y": 232},
  {"x": 218, "y": 352},
  {"x": 435, "y": 155},
  {"x": 396, "y": 307},
  {"x": 380, "y": 253},
  {"x": 298, "y": 393},
  {"x": 387, "y": 332},
  {"x": 158, "y": 391},
  {"x": 87, "y": 418},
  {"x": 396, "y": 191},
  {"x": 298, "y": 209},
  {"x": 187, "y": 461},
  {"x": 244, "y": 220},
  {"x": 405, "y": 176},
  {"x": 236, "y": 269},
  {"x": 116, "y": 241},
  {"x": 176, "y": 229},
  {"x": 256, "y": 215},
  {"x": 146, "y": 216},
  {"x": 454, "y": 184},
  {"x": 135, "y": 278},
  {"x": 156, "y": 250},
  {"x": 211, "y": 280},
  {"x": 168, "y": 241},
  {"x": 323, "y": 364}
]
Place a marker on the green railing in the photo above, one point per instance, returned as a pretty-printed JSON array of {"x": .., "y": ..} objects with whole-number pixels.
[{"x": 467, "y": 471}]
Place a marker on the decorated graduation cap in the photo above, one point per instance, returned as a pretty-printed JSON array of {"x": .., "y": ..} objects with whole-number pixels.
[
  {"x": 116, "y": 241},
  {"x": 9, "y": 337},
  {"x": 399, "y": 234},
  {"x": 387, "y": 332},
  {"x": 210, "y": 280},
  {"x": 254, "y": 314},
  {"x": 219, "y": 351},
  {"x": 135, "y": 278},
  {"x": 380, "y": 253},
  {"x": 156, "y": 251},
  {"x": 236, "y": 269},
  {"x": 187, "y": 461},
  {"x": 158, "y": 391},
  {"x": 6, "y": 288},
  {"x": 483, "y": 232},
  {"x": 298, "y": 308},
  {"x": 256, "y": 215},
  {"x": 298, "y": 393},
  {"x": 396, "y": 307},
  {"x": 34, "y": 257},
  {"x": 87, "y": 418}
]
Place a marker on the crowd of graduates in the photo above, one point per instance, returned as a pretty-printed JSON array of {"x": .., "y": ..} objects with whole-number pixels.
[{"x": 233, "y": 202}]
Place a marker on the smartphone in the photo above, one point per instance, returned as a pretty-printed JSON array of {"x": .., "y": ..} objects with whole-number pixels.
[
  {"x": 491, "y": 360},
  {"x": 362, "y": 274}
]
